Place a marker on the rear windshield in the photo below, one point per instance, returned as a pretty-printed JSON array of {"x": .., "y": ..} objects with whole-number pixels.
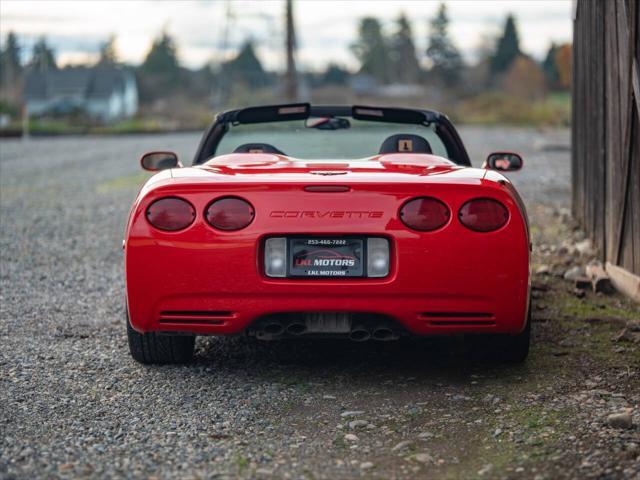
[{"x": 363, "y": 139}]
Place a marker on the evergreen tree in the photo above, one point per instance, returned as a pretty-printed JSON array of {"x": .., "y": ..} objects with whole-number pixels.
[
  {"x": 550, "y": 68},
  {"x": 162, "y": 58},
  {"x": 160, "y": 73},
  {"x": 446, "y": 61},
  {"x": 10, "y": 67},
  {"x": 246, "y": 68},
  {"x": 507, "y": 49},
  {"x": 371, "y": 50},
  {"x": 108, "y": 54},
  {"x": 43, "y": 57},
  {"x": 405, "y": 67},
  {"x": 335, "y": 75},
  {"x": 10, "y": 56}
]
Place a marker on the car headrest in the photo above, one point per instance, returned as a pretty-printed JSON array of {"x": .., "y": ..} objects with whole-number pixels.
[
  {"x": 405, "y": 143},
  {"x": 257, "y": 148}
]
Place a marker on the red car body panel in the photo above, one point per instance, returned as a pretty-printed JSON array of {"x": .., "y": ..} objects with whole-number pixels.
[{"x": 206, "y": 281}]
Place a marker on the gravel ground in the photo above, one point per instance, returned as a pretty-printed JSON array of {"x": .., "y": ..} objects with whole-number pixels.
[{"x": 73, "y": 403}]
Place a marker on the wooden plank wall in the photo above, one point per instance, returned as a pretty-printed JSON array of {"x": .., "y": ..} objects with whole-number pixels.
[{"x": 606, "y": 127}]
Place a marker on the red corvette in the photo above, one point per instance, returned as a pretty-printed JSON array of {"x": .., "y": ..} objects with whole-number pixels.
[{"x": 355, "y": 222}]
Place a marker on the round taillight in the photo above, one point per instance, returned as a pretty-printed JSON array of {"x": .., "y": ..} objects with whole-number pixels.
[
  {"x": 171, "y": 214},
  {"x": 483, "y": 215},
  {"x": 424, "y": 214},
  {"x": 229, "y": 213}
]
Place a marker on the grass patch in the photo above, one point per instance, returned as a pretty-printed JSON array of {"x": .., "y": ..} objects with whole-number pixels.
[
  {"x": 535, "y": 418},
  {"x": 242, "y": 463},
  {"x": 70, "y": 126},
  {"x": 580, "y": 309},
  {"x": 133, "y": 125},
  {"x": 587, "y": 325},
  {"x": 497, "y": 108},
  {"x": 339, "y": 442},
  {"x": 596, "y": 341},
  {"x": 530, "y": 432}
]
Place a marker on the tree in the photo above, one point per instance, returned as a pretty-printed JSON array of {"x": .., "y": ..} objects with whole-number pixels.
[
  {"x": 335, "y": 75},
  {"x": 160, "y": 73},
  {"x": 371, "y": 50},
  {"x": 446, "y": 61},
  {"x": 10, "y": 75},
  {"x": 550, "y": 68},
  {"x": 10, "y": 56},
  {"x": 563, "y": 64},
  {"x": 10, "y": 67},
  {"x": 525, "y": 79},
  {"x": 162, "y": 58},
  {"x": 43, "y": 57},
  {"x": 404, "y": 63},
  {"x": 245, "y": 68},
  {"x": 108, "y": 55},
  {"x": 507, "y": 48}
]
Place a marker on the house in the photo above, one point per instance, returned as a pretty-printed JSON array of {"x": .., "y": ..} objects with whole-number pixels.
[{"x": 103, "y": 93}]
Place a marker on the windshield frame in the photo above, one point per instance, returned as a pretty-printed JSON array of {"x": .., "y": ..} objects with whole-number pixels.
[{"x": 444, "y": 129}]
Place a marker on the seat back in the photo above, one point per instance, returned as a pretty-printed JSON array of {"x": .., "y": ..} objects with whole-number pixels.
[{"x": 405, "y": 143}]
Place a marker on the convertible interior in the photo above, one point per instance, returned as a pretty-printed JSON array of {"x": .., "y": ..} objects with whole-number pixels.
[
  {"x": 439, "y": 137},
  {"x": 399, "y": 143},
  {"x": 258, "y": 148}
]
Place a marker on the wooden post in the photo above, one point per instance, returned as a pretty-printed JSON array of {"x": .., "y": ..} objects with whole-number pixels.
[{"x": 291, "y": 80}]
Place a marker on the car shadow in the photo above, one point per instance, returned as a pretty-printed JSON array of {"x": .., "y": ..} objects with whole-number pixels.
[{"x": 444, "y": 358}]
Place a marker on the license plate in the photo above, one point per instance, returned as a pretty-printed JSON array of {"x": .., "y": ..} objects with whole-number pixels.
[{"x": 326, "y": 257}]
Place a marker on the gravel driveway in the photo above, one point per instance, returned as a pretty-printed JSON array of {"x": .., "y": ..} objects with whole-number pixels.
[{"x": 73, "y": 403}]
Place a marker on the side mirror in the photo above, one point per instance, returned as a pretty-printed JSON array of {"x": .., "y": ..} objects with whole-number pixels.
[
  {"x": 503, "y": 162},
  {"x": 156, "y": 161}
]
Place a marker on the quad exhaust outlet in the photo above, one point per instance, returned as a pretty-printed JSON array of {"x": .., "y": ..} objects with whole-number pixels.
[
  {"x": 296, "y": 328},
  {"x": 359, "y": 334},
  {"x": 384, "y": 334},
  {"x": 335, "y": 325}
]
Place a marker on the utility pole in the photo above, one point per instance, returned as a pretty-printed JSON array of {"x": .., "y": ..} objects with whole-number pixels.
[
  {"x": 291, "y": 77},
  {"x": 221, "y": 85}
]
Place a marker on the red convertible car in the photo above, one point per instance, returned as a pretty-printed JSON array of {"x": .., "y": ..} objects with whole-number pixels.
[{"x": 360, "y": 222}]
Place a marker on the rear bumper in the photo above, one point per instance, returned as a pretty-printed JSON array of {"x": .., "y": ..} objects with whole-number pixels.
[
  {"x": 421, "y": 314},
  {"x": 221, "y": 291}
]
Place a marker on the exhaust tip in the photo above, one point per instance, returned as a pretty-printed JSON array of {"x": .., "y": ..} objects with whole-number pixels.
[
  {"x": 274, "y": 328},
  {"x": 296, "y": 328},
  {"x": 383, "y": 334},
  {"x": 360, "y": 335}
]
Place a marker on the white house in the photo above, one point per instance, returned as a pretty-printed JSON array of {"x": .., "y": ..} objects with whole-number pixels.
[{"x": 104, "y": 93}]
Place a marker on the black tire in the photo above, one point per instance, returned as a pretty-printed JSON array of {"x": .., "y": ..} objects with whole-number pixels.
[
  {"x": 511, "y": 349},
  {"x": 150, "y": 348},
  {"x": 514, "y": 348}
]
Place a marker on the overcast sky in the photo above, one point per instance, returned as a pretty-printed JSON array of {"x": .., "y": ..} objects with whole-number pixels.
[{"x": 325, "y": 28}]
